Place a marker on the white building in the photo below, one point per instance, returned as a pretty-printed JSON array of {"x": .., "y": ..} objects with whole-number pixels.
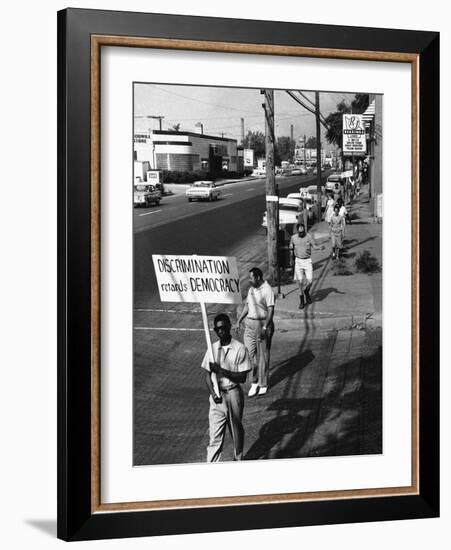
[{"x": 186, "y": 151}]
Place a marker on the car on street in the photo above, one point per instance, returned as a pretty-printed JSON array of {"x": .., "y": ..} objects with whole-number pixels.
[
  {"x": 203, "y": 190},
  {"x": 288, "y": 211},
  {"x": 145, "y": 194}
]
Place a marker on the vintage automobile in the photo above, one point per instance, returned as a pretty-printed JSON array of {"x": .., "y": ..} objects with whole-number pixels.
[
  {"x": 145, "y": 194},
  {"x": 312, "y": 190},
  {"x": 203, "y": 190},
  {"x": 288, "y": 211}
]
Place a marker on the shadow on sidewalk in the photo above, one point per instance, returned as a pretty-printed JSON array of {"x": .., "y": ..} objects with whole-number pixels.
[
  {"x": 343, "y": 420},
  {"x": 290, "y": 367},
  {"x": 323, "y": 293}
]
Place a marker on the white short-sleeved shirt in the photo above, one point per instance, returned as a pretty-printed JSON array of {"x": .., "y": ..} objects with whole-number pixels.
[
  {"x": 259, "y": 300},
  {"x": 233, "y": 357}
]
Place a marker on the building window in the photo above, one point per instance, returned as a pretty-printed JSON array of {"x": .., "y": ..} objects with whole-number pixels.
[{"x": 204, "y": 164}]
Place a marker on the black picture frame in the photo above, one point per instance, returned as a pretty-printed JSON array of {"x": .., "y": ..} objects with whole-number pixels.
[{"x": 76, "y": 518}]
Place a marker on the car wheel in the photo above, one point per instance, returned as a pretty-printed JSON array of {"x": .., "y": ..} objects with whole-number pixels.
[
  {"x": 210, "y": 198},
  {"x": 190, "y": 200}
]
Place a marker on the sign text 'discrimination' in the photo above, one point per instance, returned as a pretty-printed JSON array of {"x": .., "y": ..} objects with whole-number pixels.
[{"x": 209, "y": 279}]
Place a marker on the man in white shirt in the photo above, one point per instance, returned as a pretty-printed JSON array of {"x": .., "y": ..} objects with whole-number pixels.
[
  {"x": 231, "y": 365},
  {"x": 259, "y": 329}
]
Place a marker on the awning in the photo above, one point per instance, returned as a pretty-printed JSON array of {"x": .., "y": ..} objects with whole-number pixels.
[{"x": 368, "y": 115}]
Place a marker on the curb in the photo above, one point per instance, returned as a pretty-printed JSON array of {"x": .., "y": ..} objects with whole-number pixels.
[{"x": 360, "y": 321}]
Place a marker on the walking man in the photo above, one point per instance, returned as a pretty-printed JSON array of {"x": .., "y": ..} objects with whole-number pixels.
[
  {"x": 259, "y": 329},
  {"x": 337, "y": 231},
  {"x": 231, "y": 366},
  {"x": 301, "y": 246}
]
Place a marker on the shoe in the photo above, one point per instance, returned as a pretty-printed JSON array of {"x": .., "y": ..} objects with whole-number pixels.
[
  {"x": 262, "y": 390},
  {"x": 253, "y": 390},
  {"x": 308, "y": 299},
  {"x": 301, "y": 302}
]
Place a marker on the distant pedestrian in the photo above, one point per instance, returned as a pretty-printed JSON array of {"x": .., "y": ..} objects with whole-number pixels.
[
  {"x": 259, "y": 329},
  {"x": 231, "y": 366},
  {"x": 301, "y": 246},
  {"x": 337, "y": 229},
  {"x": 343, "y": 211},
  {"x": 329, "y": 208}
]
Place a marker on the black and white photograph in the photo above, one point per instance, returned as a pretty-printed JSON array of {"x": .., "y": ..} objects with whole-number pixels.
[{"x": 257, "y": 273}]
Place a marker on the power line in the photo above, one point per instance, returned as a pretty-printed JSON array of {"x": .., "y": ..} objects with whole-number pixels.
[{"x": 200, "y": 100}]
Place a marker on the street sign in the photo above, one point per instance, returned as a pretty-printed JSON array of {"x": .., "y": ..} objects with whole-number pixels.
[
  {"x": 248, "y": 155},
  {"x": 206, "y": 279},
  {"x": 354, "y": 138}
]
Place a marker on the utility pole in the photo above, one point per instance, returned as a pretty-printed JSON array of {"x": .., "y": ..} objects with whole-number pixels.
[
  {"x": 318, "y": 155},
  {"x": 242, "y": 131},
  {"x": 305, "y": 164},
  {"x": 272, "y": 204},
  {"x": 291, "y": 131}
]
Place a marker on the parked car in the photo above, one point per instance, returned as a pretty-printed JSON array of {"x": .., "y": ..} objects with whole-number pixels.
[
  {"x": 303, "y": 198},
  {"x": 288, "y": 211},
  {"x": 145, "y": 194},
  {"x": 203, "y": 190},
  {"x": 296, "y": 172},
  {"x": 335, "y": 183},
  {"x": 259, "y": 172},
  {"x": 312, "y": 190}
]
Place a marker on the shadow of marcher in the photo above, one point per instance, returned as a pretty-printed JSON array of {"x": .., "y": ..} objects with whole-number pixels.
[
  {"x": 291, "y": 366},
  {"x": 323, "y": 293},
  {"x": 344, "y": 420},
  {"x": 273, "y": 431}
]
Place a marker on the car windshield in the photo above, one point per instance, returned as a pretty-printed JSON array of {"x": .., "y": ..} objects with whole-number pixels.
[
  {"x": 141, "y": 188},
  {"x": 203, "y": 184}
]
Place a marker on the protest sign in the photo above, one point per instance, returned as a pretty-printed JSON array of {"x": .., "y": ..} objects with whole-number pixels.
[{"x": 206, "y": 279}]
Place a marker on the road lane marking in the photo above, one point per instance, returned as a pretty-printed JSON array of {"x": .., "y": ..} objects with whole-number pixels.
[
  {"x": 153, "y": 212},
  {"x": 170, "y": 328},
  {"x": 168, "y": 310},
  {"x": 251, "y": 189},
  {"x": 227, "y": 195}
]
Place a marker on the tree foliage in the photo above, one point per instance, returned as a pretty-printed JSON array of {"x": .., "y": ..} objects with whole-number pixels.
[
  {"x": 284, "y": 149},
  {"x": 255, "y": 141},
  {"x": 310, "y": 142}
]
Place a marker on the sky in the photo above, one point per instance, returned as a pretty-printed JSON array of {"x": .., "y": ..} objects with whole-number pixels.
[{"x": 220, "y": 109}]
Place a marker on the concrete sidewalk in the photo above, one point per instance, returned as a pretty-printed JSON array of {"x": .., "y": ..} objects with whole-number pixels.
[{"x": 340, "y": 301}]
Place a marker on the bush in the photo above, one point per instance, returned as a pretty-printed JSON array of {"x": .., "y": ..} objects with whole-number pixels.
[
  {"x": 177, "y": 176},
  {"x": 367, "y": 263},
  {"x": 340, "y": 268}
]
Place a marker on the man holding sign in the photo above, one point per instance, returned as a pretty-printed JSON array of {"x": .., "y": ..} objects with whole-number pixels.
[{"x": 231, "y": 366}]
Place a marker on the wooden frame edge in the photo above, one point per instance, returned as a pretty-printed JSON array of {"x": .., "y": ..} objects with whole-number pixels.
[{"x": 262, "y": 49}]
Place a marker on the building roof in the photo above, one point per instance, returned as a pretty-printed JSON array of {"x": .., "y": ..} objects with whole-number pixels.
[{"x": 191, "y": 134}]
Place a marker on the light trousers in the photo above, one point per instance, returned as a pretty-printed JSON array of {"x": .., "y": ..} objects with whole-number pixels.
[
  {"x": 227, "y": 413},
  {"x": 258, "y": 344}
]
